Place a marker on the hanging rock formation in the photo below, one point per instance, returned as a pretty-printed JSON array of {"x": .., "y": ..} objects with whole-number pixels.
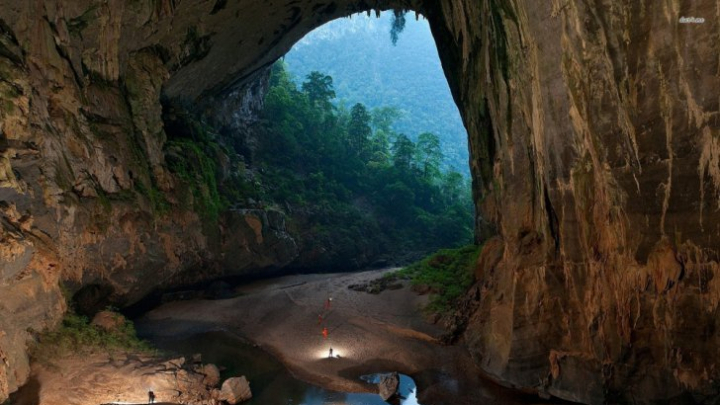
[{"x": 594, "y": 150}]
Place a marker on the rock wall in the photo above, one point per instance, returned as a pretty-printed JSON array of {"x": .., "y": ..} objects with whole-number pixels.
[
  {"x": 594, "y": 149},
  {"x": 594, "y": 141},
  {"x": 85, "y": 193}
]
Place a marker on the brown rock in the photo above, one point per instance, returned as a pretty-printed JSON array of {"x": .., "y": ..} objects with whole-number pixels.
[
  {"x": 490, "y": 256},
  {"x": 174, "y": 364},
  {"x": 235, "y": 390},
  {"x": 388, "y": 385},
  {"x": 212, "y": 375},
  {"x": 108, "y": 320},
  {"x": 665, "y": 267},
  {"x": 215, "y": 394},
  {"x": 103, "y": 379}
]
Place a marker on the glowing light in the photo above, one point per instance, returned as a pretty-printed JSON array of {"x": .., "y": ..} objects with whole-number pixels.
[{"x": 324, "y": 353}]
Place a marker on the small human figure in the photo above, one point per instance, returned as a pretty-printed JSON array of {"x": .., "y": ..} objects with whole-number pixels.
[
  {"x": 319, "y": 319},
  {"x": 331, "y": 352},
  {"x": 151, "y": 397},
  {"x": 325, "y": 333}
]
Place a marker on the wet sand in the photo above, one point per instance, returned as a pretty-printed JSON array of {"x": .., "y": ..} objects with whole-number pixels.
[{"x": 370, "y": 333}]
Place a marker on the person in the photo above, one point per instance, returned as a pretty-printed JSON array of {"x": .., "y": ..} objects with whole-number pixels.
[
  {"x": 331, "y": 352},
  {"x": 325, "y": 333},
  {"x": 151, "y": 397},
  {"x": 319, "y": 319}
]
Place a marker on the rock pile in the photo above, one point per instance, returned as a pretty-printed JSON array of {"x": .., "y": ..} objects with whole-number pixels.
[{"x": 127, "y": 378}]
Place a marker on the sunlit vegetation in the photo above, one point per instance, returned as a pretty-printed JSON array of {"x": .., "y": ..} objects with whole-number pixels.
[
  {"x": 76, "y": 335},
  {"x": 367, "y": 68},
  {"x": 193, "y": 152},
  {"x": 447, "y": 274},
  {"x": 360, "y": 178}
]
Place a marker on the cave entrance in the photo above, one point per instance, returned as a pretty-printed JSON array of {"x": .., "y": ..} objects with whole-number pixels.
[
  {"x": 365, "y": 169},
  {"x": 362, "y": 142}
]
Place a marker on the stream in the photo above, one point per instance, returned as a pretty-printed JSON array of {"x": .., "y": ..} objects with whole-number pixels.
[
  {"x": 371, "y": 333},
  {"x": 270, "y": 381}
]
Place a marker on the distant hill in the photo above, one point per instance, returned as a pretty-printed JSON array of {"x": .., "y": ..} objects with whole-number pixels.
[{"x": 358, "y": 53}]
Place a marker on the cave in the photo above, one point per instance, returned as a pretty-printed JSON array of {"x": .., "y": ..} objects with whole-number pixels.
[{"x": 593, "y": 133}]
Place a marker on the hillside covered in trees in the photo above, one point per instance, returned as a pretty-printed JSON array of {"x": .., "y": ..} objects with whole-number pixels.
[
  {"x": 367, "y": 67},
  {"x": 354, "y": 185}
]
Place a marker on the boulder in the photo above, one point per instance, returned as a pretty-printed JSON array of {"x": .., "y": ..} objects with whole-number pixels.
[
  {"x": 212, "y": 375},
  {"x": 388, "y": 385},
  {"x": 235, "y": 390},
  {"x": 108, "y": 320},
  {"x": 188, "y": 381},
  {"x": 174, "y": 364}
]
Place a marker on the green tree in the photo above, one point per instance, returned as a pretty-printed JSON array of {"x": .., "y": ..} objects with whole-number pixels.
[
  {"x": 455, "y": 188},
  {"x": 403, "y": 153},
  {"x": 359, "y": 130},
  {"x": 379, "y": 149},
  {"x": 384, "y": 117},
  {"x": 426, "y": 107},
  {"x": 351, "y": 176},
  {"x": 279, "y": 75},
  {"x": 319, "y": 89},
  {"x": 429, "y": 155},
  {"x": 399, "y": 199}
]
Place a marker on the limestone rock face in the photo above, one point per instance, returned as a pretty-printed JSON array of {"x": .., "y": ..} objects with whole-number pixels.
[
  {"x": 593, "y": 140},
  {"x": 253, "y": 229},
  {"x": 593, "y": 129}
]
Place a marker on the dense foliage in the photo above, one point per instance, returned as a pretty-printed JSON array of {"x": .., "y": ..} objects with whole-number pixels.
[
  {"x": 448, "y": 274},
  {"x": 367, "y": 68},
  {"x": 76, "y": 335},
  {"x": 197, "y": 156},
  {"x": 357, "y": 178}
]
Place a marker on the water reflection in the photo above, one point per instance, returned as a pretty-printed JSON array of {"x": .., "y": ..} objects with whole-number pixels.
[
  {"x": 270, "y": 382},
  {"x": 319, "y": 396}
]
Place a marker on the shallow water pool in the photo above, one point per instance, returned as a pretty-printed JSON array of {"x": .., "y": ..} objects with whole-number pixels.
[{"x": 270, "y": 382}]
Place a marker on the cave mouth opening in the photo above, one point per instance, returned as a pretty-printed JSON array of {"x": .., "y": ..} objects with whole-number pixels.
[{"x": 352, "y": 141}]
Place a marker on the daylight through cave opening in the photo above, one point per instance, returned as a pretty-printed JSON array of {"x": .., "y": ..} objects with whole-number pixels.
[
  {"x": 152, "y": 172},
  {"x": 352, "y": 144},
  {"x": 593, "y": 150}
]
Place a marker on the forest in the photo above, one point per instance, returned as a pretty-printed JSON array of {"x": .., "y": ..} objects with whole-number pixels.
[
  {"x": 357, "y": 180},
  {"x": 374, "y": 62}
]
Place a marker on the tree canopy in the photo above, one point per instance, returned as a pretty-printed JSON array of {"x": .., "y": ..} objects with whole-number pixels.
[
  {"x": 356, "y": 173},
  {"x": 319, "y": 89},
  {"x": 403, "y": 86}
]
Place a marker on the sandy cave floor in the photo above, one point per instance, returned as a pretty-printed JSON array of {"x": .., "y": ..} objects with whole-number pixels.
[{"x": 370, "y": 333}]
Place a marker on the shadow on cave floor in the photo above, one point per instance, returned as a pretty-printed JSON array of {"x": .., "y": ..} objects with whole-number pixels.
[{"x": 28, "y": 394}]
